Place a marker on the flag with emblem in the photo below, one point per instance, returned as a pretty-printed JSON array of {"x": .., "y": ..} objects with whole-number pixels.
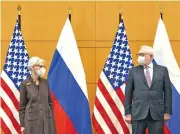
[
  {"x": 108, "y": 114},
  {"x": 14, "y": 72}
]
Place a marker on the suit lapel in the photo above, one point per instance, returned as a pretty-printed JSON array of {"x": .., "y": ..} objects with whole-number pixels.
[
  {"x": 33, "y": 84},
  {"x": 41, "y": 84},
  {"x": 154, "y": 74}
]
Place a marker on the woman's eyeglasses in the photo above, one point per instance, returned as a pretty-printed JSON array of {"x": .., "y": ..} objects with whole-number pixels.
[
  {"x": 40, "y": 66},
  {"x": 141, "y": 54}
]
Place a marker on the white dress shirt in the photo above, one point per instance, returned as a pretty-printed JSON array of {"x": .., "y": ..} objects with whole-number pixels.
[{"x": 150, "y": 67}]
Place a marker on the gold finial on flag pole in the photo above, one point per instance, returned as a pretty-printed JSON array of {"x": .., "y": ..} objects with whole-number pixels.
[
  {"x": 119, "y": 12},
  {"x": 69, "y": 12},
  {"x": 19, "y": 9},
  {"x": 19, "y": 15}
]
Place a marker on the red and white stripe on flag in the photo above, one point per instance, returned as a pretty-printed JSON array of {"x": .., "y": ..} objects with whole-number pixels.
[
  {"x": 14, "y": 72},
  {"x": 108, "y": 115}
]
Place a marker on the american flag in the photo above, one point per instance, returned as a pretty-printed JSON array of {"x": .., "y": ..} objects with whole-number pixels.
[
  {"x": 14, "y": 72},
  {"x": 108, "y": 114}
]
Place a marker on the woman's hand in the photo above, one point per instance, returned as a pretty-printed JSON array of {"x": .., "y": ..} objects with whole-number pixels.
[{"x": 22, "y": 130}]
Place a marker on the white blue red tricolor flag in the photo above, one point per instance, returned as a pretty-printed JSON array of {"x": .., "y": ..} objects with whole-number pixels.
[
  {"x": 68, "y": 86},
  {"x": 14, "y": 72},
  {"x": 163, "y": 55},
  {"x": 108, "y": 114}
]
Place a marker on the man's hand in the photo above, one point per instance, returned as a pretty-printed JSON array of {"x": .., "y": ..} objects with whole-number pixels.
[
  {"x": 166, "y": 117},
  {"x": 22, "y": 130},
  {"x": 128, "y": 119}
]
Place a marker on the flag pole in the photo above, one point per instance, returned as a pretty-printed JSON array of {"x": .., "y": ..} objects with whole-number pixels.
[
  {"x": 161, "y": 13},
  {"x": 70, "y": 13},
  {"x": 120, "y": 15},
  {"x": 19, "y": 16}
]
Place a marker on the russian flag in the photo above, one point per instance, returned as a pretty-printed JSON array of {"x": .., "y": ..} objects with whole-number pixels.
[
  {"x": 68, "y": 86},
  {"x": 163, "y": 55}
]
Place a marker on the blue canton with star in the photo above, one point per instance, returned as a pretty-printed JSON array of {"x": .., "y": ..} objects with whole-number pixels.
[
  {"x": 119, "y": 60},
  {"x": 17, "y": 58}
]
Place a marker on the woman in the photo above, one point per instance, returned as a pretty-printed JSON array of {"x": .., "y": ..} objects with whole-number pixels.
[{"x": 35, "y": 113}]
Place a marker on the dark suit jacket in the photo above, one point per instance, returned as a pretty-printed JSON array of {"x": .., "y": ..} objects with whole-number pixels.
[
  {"x": 35, "y": 112},
  {"x": 139, "y": 98}
]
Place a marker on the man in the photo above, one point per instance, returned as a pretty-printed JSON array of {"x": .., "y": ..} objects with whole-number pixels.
[{"x": 148, "y": 95}]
